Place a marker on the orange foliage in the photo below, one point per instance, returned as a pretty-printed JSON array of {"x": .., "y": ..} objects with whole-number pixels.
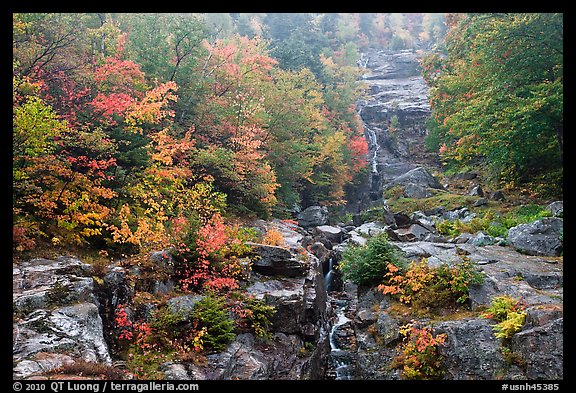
[{"x": 273, "y": 238}]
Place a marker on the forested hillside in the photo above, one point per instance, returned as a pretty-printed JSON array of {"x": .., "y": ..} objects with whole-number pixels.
[
  {"x": 291, "y": 196},
  {"x": 133, "y": 130},
  {"x": 497, "y": 94}
]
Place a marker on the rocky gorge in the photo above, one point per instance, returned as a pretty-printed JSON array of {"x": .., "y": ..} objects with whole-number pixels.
[{"x": 326, "y": 327}]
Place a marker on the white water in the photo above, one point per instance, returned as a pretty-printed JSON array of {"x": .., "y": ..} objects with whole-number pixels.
[
  {"x": 341, "y": 359},
  {"x": 373, "y": 141},
  {"x": 329, "y": 276}
]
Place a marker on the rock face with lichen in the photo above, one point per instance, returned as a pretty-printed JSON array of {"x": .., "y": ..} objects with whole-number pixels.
[
  {"x": 57, "y": 319},
  {"x": 65, "y": 315}
]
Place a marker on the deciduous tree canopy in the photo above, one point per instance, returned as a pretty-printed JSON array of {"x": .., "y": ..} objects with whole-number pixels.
[{"x": 497, "y": 95}]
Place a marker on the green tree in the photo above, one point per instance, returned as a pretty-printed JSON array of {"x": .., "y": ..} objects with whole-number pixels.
[{"x": 497, "y": 96}]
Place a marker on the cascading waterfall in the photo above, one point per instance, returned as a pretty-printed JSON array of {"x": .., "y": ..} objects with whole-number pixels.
[
  {"x": 329, "y": 277},
  {"x": 363, "y": 61},
  {"x": 373, "y": 145},
  {"x": 373, "y": 148},
  {"x": 341, "y": 361}
]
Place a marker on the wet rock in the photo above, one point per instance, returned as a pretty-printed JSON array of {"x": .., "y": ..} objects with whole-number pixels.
[
  {"x": 117, "y": 288},
  {"x": 277, "y": 261},
  {"x": 300, "y": 302},
  {"x": 75, "y": 330},
  {"x": 541, "y": 237},
  {"x": 331, "y": 233},
  {"x": 56, "y": 313},
  {"x": 321, "y": 252},
  {"x": 43, "y": 283},
  {"x": 534, "y": 279},
  {"x": 313, "y": 216},
  {"x": 287, "y": 297}
]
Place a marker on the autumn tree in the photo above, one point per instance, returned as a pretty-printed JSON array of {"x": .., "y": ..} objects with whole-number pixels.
[
  {"x": 231, "y": 121},
  {"x": 135, "y": 130}
]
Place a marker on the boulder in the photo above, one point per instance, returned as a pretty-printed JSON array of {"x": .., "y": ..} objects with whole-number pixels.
[
  {"x": 498, "y": 195},
  {"x": 541, "y": 237},
  {"x": 413, "y": 233},
  {"x": 388, "y": 328},
  {"x": 183, "y": 305},
  {"x": 365, "y": 318},
  {"x": 556, "y": 208},
  {"x": 541, "y": 349},
  {"x": 365, "y": 231},
  {"x": 416, "y": 191},
  {"x": 465, "y": 176},
  {"x": 419, "y": 217},
  {"x": 462, "y": 238},
  {"x": 402, "y": 220},
  {"x": 331, "y": 233},
  {"x": 313, "y": 216},
  {"x": 278, "y": 261},
  {"x": 480, "y": 202},
  {"x": 456, "y": 214},
  {"x": 321, "y": 252},
  {"x": 418, "y": 176},
  {"x": 471, "y": 351},
  {"x": 476, "y": 191},
  {"x": 481, "y": 239},
  {"x": 75, "y": 330}
]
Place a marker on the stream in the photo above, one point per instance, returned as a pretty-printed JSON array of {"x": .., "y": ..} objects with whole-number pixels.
[
  {"x": 395, "y": 90},
  {"x": 340, "y": 360}
]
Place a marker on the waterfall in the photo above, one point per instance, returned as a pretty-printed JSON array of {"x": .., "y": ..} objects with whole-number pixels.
[
  {"x": 374, "y": 149},
  {"x": 329, "y": 277},
  {"x": 373, "y": 143},
  {"x": 340, "y": 359},
  {"x": 363, "y": 61}
]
